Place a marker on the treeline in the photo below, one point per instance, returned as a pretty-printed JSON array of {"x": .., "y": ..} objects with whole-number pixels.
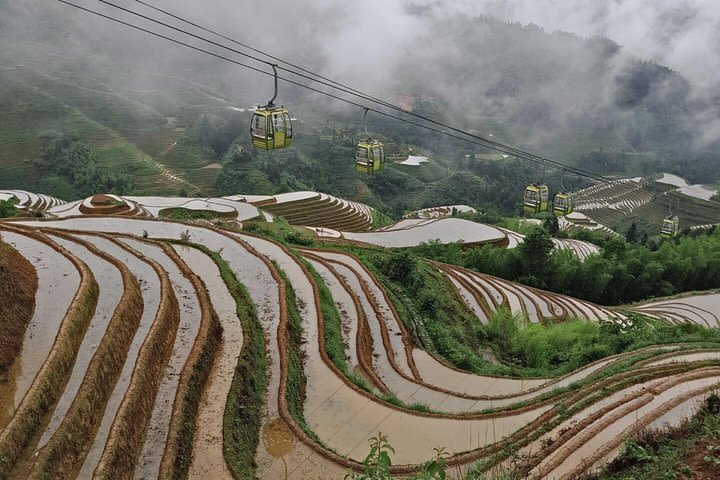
[
  {"x": 67, "y": 167},
  {"x": 623, "y": 272}
]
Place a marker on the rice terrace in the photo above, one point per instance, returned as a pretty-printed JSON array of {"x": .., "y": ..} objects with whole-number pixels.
[{"x": 331, "y": 284}]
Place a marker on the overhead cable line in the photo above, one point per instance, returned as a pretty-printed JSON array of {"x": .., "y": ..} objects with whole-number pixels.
[
  {"x": 474, "y": 139},
  {"x": 484, "y": 142}
]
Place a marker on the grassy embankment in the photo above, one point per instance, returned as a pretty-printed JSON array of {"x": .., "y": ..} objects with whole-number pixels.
[
  {"x": 690, "y": 451},
  {"x": 243, "y": 411},
  {"x": 296, "y": 381}
]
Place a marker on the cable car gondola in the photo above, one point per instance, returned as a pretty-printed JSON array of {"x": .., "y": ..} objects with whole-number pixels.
[
  {"x": 270, "y": 126},
  {"x": 670, "y": 227},
  {"x": 536, "y": 198},
  {"x": 563, "y": 202},
  {"x": 369, "y": 154}
]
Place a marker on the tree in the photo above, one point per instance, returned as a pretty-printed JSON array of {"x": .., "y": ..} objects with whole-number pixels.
[
  {"x": 64, "y": 156},
  {"x": 552, "y": 225},
  {"x": 535, "y": 252},
  {"x": 632, "y": 234}
]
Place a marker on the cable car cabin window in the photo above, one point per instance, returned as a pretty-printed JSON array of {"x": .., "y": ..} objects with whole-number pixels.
[
  {"x": 259, "y": 125},
  {"x": 530, "y": 197},
  {"x": 376, "y": 153},
  {"x": 288, "y": 125},
  {"x": 279, "y": 126},
  {"x": 543, "y": 194},
  {"x": 560, "y": 202},
  {"x": 361, "y": 155}
]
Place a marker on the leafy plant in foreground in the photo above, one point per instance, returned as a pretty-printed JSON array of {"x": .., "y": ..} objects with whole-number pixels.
[{"x": 376, "y": 465}]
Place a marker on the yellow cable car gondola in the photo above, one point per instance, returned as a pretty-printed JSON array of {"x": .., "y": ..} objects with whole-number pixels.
[
  {"x": 369, "y": 154},
  {"x": 563, "y": 202},
  {"x": 536, "y": 198},
  {"x": 270, "y": 126},
  {"x": 670, "y": 227}
]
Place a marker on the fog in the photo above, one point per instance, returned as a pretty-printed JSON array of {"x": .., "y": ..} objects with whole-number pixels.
[
  {"x": 682, "y": 34},
  {"x": 437, "y": 52}
]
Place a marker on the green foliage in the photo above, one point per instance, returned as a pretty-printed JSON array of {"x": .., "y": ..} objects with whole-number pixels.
[
  {"x": 377, "y": 464},
  {"x": 672, "y": 453},
  {"x": 179, "y": 213},
  {"x": 556, "y": 348},
  {"x": 622, "y": 273},
  {"x": 243, "y": 410},
  {"x": 296, "y": 238},
  {"x": 66, "y": 158},
  {"x": 8, "y": 209}
]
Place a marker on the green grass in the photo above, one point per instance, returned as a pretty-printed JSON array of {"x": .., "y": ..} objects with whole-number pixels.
[
  {"x": 380, "y": 220},
  {"x": 280, "y": 231},
  {"x": 442, "y": 324},
  {"x": 179, "y": 213},
  {"x": 244, "y": 408},
  {"x": 332, "y": 334},
  {"x": 296, "y": 381}
]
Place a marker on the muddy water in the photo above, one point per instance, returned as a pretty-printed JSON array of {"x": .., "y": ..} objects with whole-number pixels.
[
  {"x": 346, "y": 308},
  {"x": 150, "y": 290},
  {"x": 109, "y": 280},
  {"x": 470, "y": 300},
  {"x": 489, "y": 300},
  {"x": 553, "y": 434},
  {"x": 681, "y": 413},
  {"x": 683, "y": 313},
  {"x": 514, "y": 301},
  {"x": 388, "y": 318},
  {"x": 489, "y": 288},
  {"x": 478, "y": 385},
  {"x": 156, "y": 437},
  {"x": 345, "y": 419},
  {"x": 710, "y": 304},
  {"x": 248, "y": 269},
  {"x": 58, "y": 281},
  {"x": 402, "y": 387},
  {"x": 691, "y": 357},
  {"x": 610, "y": 433},
  {"x": 207, "y": 460},
  {"x": 530, "y": 308}
]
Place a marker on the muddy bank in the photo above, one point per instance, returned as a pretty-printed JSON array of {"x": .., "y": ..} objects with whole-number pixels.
[{"x": 18, "y": 284}]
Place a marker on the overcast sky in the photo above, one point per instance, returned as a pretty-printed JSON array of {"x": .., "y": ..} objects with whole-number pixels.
[{"x": 682, "y": 34}]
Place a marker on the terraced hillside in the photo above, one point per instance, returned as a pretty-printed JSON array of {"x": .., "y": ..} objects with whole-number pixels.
[
  {"x": 314, "y": 209},
  {"x": 124, "y": 129},
  {"x": 160, "y": 349},
  {"x": 645, "y": 201}
]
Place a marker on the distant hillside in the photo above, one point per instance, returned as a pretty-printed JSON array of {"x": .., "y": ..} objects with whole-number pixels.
[{"x": 163, "y": 119}]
